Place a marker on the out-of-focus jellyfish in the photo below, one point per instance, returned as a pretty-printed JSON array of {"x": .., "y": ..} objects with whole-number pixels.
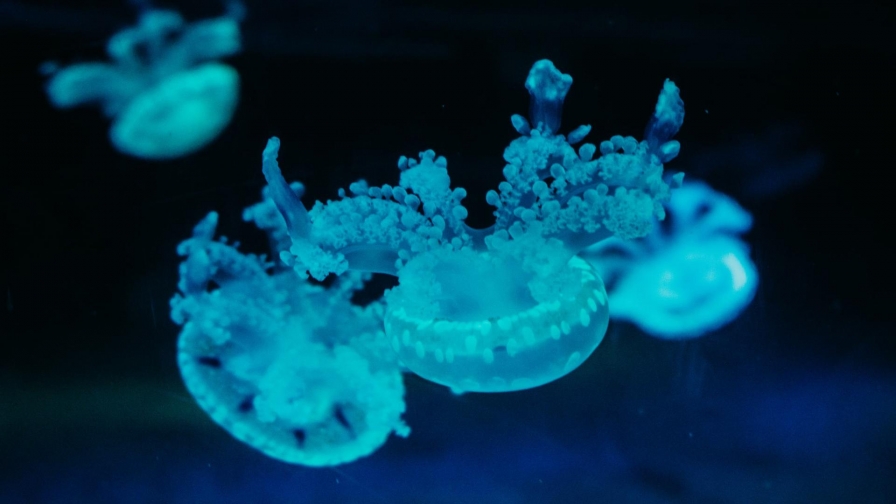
[
  {"x": 291, "y": 368},
  {"x": 166, "y": 94},
  {"x": 688, "y": 277},
  {"x": 508, "y": 307}
]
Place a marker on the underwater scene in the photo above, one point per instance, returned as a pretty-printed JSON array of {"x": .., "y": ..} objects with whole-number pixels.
[{"x": 447, "y": 251}]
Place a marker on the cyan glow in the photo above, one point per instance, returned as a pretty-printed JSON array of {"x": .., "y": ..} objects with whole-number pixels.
[
  {"x": 689, "y": 279},
  {"x": 511, "y": 306},
  {"x": 738, "y": 272},
  {"x": 289, "y": 368},
  {"x": 166, "y": 95}
]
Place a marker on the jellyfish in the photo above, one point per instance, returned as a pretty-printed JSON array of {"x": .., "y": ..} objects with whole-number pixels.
[
  {"x": 687, "y": 278},
  {"x": 291, "y": 368},
  {"x": 163, "y": 89},
  {"x": 511, "y": 306}
]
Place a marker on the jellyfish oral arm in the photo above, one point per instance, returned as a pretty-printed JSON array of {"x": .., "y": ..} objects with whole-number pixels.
[{"x": 587, "y": 200}]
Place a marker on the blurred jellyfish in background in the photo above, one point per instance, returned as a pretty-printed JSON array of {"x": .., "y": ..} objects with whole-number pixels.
[
  {"x": 166, "y": 95},
  {"x": 689, "y": 276},
  {"x": 292, "y": 368}
]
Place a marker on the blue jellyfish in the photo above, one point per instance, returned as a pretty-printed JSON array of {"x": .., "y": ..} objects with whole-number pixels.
[
  {"x": 685, "y": 279},
  {"x": 291, "y": 368},
  {"x": 166, "y": 95},
  {"x": 511, "y": 306}
]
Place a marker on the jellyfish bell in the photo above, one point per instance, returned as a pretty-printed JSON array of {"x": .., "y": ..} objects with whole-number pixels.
[
  {"x": 488, "y": 333},
  {"x": 694, "y": 287},
  {"x": 688, "y": 278},
  {"x": 178, "y": 116}
]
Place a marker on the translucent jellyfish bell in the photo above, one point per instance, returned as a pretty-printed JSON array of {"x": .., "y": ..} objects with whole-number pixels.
[
  {"x": 511, "y": 306},
  {"x": 166, "y": 98},
  {"x": 686, "y": 280},
  {"x": 477, "y": 335},
  {"x": 179, "y": 115}
]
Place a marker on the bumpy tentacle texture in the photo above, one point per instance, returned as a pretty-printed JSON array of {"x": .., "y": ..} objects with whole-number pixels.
[
  {"x": 511, "y": 306},
  {"x": 685, "y": 279},
  {"x": 167, "y": 96},
  {"x": 290, "y": 368}
]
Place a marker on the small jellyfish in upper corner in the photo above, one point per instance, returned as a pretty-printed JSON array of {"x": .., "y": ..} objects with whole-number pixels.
[
  {"x": 687, "y": 278},
  {"x": 290, "y": 368},
  {"x": 166, "y": 95},
  {"x": 511, "y": 306}
]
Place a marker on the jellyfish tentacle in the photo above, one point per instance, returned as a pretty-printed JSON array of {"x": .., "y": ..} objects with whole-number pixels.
[{"x": 375, "y": 228}]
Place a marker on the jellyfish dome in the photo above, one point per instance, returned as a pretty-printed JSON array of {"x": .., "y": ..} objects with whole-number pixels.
[
  {"x": 292, "y": 369},
  {"x": 686, "y": 279},
  {"x": 179, "y": 115},
  {"x": 511, "y": 306},
  {"x": 166, "y": 96}
]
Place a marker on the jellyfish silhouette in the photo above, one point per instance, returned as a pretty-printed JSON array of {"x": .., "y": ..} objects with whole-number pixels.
[{"x": 166, "y": 95}]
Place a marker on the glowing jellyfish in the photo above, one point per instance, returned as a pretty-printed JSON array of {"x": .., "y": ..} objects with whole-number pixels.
[
  {"x": 166, "y": 96},
  {"x": 511, "y": 306},
  {"x": 291, "y": 368},
  {"x": 685, "y": 279}
]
